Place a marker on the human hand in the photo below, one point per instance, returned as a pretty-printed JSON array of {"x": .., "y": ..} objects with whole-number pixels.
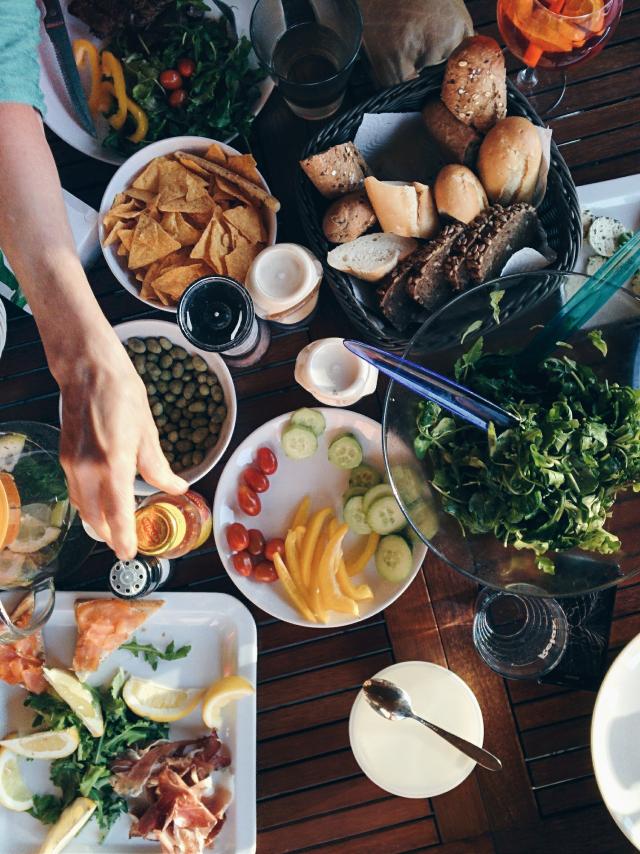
[{"x": 108, "y": 433}]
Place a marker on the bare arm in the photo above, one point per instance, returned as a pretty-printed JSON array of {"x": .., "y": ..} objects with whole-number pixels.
[{"x": 107, "y": 428}]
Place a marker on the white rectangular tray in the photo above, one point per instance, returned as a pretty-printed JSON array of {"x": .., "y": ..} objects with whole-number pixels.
[
  {"x": 619, "y": 198},
  {"x": 222, "y": 635}
]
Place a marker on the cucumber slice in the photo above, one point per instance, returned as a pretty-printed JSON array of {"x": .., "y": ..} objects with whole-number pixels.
[
  {"x": 394, "y": 560},
  {"x": 376, "y": 492},
  {"x": 354, "y": 516},
  {"x": 365, "y": 475},
  {"x": 345, "y": 452},
  {"x": 311, "y": 419},
  {"x": 384, "y": 516},
  {"x": 353, "y": 490},
  {"x": 408, "y": 483},
  {"x": 425, "y": 517},
  {"x": 298, "y": 443}
]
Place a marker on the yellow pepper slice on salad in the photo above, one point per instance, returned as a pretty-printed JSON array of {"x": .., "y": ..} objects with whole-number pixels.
[
  {"x": 137, "y": 113},
  {"x": 112, "y": 67},
  {"x": 86, "y": 53}
]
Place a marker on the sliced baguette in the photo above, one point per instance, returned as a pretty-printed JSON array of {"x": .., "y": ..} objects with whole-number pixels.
[
  {"x": 403, "y": 208},
  {"x": 371, "y": 256}
]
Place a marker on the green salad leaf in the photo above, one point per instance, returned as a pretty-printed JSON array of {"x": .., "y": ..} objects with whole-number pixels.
[
  {"x": 548, "y": 484},
  {"x": 87, "y": 771},
  {"x": 152, "y": 655}
]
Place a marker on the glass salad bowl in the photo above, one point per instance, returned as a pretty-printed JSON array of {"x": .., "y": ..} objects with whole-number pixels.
[{"x": 507, "y": 323}]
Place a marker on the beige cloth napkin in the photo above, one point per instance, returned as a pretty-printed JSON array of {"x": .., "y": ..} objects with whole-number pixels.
[{"x": 402, "y": 37}]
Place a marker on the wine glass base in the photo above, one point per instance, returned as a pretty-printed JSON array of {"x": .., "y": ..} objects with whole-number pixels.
[
  {"x": 544, "y": 88},
  {"x": 519, "y": 637}
]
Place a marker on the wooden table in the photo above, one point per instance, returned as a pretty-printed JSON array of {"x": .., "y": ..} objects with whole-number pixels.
[{"x": 311, "y": 794}]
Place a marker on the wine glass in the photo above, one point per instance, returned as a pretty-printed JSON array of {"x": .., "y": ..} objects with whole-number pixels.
[{"x": 550, "y": 35}]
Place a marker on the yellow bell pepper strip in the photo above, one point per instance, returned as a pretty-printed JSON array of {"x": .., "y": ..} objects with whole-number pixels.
[
  {"x": 310, "y": 540},
  {"x": 332, "y": 597},
  {"x": 291, "y": 590},
  {"x": 359, "y": 593},
  {"x": 314, "y": 582},
  {"x": 291, "y": 555},
  {"x": 111, "y": 67},
  {"x": 359, "y": 563},
  {"x": 86, "y": 53},
  {"x": 137, "y": 113},
  {"x": 301, "y": 516}
]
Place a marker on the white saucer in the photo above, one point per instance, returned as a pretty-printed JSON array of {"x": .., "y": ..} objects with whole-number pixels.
[{"x": 404, "y": 757}]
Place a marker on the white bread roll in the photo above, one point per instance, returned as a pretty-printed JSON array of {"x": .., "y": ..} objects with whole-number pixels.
[
  {"x": 404, "y": 209},
  {"x": 459, "y": 194},
  {"x": 371, "y": 256},
  {"x": 509, "y": 161}
]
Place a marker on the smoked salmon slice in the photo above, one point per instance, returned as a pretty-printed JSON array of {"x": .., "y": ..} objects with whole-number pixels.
[
  {"x": 21, "y": 662},
  {"x": 103, "y": 626}
]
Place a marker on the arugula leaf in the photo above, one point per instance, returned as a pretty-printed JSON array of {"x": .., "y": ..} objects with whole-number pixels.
[
  {"x": 495, "y": 298},
  {"x": 46, "y": 808},
  {"x": 152, "y": 655},
  {"x": 595, "y": 336},
  {"x": 471, "y": 328}
]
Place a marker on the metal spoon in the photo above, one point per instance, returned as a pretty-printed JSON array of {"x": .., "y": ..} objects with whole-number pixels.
[{"x": 394, "y": 704}]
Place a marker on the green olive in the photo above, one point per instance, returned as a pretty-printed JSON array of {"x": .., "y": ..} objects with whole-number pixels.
[
  {"x": 184, "y": 433},
  {"x": 170, "y": 398},
  {"x": 151, "y": 389},
  {"x": 177, "y": 370},
  {"x": 140, "y": 364},
  {"x": 217, "y": 395},
  {"x": 175, "y": 415},
  {"x": 197, "y": 406},
  {"x": 184, "y": 445},
  {"x": 181, "y": 403},
  {"x": 187, "y": 377},
  {"x": 175, "y": 387},
  {"x": 211, "y": 441},
  {"x": 203, "y": 390},
  {"x": 152, "y": 357},
  {"x": 210, "y": 380},
  {"x": 165, "y": 375},
  {"x": 166, "y": 361},
  {"x": 188, "y": 365},
  {"x": 189, "y": 390},
  {"x": 165, "y": 343},
  {"x": 153, "y": 345},
  {"x": 162, "y": 386},
  {"x": 154, "y": 372},
  {"x": 173, "y": 436},
  {"x": 199, "y": 364},
  {"x": 162, "y": 421},
  {"x": 187, "y": 460},
  {"x": 137, "y": 345},
  {"x": 166, "y": 445},
  {"x": 199, "y": 435},
  {"x": 200, "y": 421},
  {"x": 184, "y": 422},
  {"x": 211, "y": 408},
  {"x": 214, "y": 427},
  {"x": 157, "y": 409},
  {"x": 198, "y": 457},
  {"x": 179, "y": 353}
]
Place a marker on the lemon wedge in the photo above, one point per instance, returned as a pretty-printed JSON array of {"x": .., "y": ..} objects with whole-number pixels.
[
  {"x": 14, "y": 794},
  {"x": 72, "y": 820},
  {"x": 223, "y": 691},
  {"x": 157, "y": 702},
  {"x": 34, "y": 534},
  {"x": 78, "y": 697},
  {"x": 52, "y": 744}
]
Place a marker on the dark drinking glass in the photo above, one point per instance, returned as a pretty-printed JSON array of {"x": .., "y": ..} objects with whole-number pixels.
[{"x": 309, "y": 50}]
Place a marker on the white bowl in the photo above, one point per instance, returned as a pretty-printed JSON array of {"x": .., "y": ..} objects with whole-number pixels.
[
  {"x": 123, "y": 179},
  {"x": 156, "y": 328}
]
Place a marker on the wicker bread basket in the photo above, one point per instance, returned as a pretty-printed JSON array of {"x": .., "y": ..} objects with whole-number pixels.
[{"x": 559, "y": 212}]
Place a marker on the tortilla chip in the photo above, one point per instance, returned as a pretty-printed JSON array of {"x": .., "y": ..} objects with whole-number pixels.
[
  {"x": 194, "y": 167},
  {"x": 200, "y": 250},
  {"x": 216, "y": 248},
  {"x": 114, "y": 233},
  {"x": 173, "y": 282},
  {"x": 149, "y": 178},
  {"x": 203, "y": 204},
  {"x": 176, "y": 225},
  {"x": 245, "y": 165},
  {"x": 232, "y": 191},
  {"x": 238, "y": 261},
  {"x": 119, "y": 199},
  {"x": 150, "y": 242},
  {"x": 176, "y": 182},
  {"x": 216, "y": 154},
  {"x": 199, "y": 220},
  {"x": 146, "y": 196},
  {"x": 126, "y": 238},
  {"x": 248, "y": 222}
]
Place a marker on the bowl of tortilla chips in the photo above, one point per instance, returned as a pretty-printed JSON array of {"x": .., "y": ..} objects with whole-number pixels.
[{"x": 183, "y": 208}]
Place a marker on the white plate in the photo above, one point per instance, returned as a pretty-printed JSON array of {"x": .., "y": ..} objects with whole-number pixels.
[
  {"x": 61, "y": 116},
  {"x": 223, "y": 638},
  {"x": 615, "y": 748},
  {"x": 325, "y": 484},
  {"x": 404, "y": 757},
  {"x": 619, "y": 198},
  {"x": 125, "y": 176}
]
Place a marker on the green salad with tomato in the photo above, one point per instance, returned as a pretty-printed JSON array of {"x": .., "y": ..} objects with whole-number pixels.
[{"x": 190, "y": 73}]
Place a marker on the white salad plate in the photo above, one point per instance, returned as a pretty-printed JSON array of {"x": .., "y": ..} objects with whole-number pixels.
[
  {"x": 60, "y": 114},
  {"x": 615, "y": 748},
  {"x": 325, "y": 484},
  {"x": 222, "y": 635},
  {"x": 404, "y": 757}
]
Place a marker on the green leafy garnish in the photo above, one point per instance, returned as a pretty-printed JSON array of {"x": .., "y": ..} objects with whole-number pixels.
[
  {"x": 472, "y": 327},
  {"x": 548, "y": 484},
  {"x": 87, "y": 771},
  {"x": 152, "y": 655},
  {"x": 595, "y": 336},
  {"x": 495, "y": 298},
  {"x": 40, "y": 477}
]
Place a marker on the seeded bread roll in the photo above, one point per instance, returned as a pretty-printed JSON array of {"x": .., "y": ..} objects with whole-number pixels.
[
  {"x": 348, "y": 217},
  {"x": 475, "y": 83},
  {"x": 458, "y": 193},
  {"x": 337, "y": 171},
  {"x": 509, "y": 161},
  {"x": 457, "y": 142}
]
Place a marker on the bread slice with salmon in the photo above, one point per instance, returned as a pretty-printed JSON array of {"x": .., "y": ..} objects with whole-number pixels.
[
  {"x": 103, "y": 626},
  {"x": 21, "y": 662}
]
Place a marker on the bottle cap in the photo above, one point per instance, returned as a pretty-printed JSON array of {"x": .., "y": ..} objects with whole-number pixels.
[{"x": 159, "y": 527}]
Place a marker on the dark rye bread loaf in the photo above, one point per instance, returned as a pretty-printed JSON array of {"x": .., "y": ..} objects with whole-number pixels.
[{"x": 455, "y": 268}]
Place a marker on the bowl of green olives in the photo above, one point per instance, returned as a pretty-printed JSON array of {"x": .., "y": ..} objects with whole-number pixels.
[{"x": 190, "y": 393}]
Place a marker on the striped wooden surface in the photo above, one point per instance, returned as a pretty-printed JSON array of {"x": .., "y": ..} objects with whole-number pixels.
[{"x": 311, "y": 794}]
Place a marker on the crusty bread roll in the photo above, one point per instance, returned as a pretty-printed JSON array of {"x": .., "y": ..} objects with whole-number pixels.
[
  {"x": 336, "y": 171},
  {"x": 457, "y": 142},
  {"x": 371, "y": 256},
  {"x": 509, "y": 161},
  {"x": 348, "y": 217},
  {"x": 474, "y": 86},
  {"x": 404, "y": 209},
  {"x": 459, "y": 194}
]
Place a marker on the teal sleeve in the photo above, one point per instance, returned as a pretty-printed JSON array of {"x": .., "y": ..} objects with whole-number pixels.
[{"x": 19, "y": 58}]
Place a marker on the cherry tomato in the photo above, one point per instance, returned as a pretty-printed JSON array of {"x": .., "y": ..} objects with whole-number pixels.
[
  {"x": 237, "y": 537},
  {"x": 254, "y": 478},
  {"x": 177, "y": 98},
  {"x": 248, "y": 500},
  {"x": 265, "y": 572},
  {"x": 242, "y": 563},
  {"x": 273, "y": 547},
  {"x": 267, "y": 460},
  {"x": 256, "y": 542},
  {"x": 170, "y": 80},
  {"x": 186, "y": 66}
]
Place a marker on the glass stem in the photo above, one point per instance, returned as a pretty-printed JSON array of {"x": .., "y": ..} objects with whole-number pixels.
[{"x": 527, "y": 79}]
